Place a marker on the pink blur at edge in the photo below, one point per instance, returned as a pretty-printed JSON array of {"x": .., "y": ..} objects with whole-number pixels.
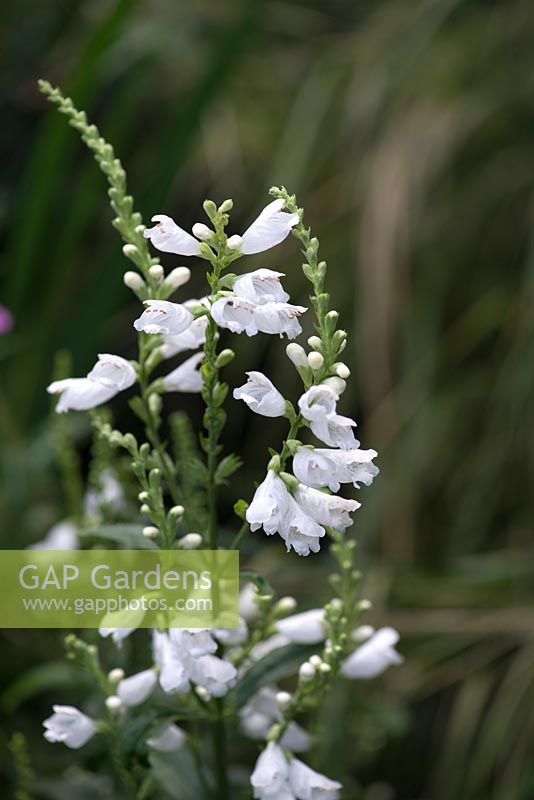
[{"x": 7, "y": 321}]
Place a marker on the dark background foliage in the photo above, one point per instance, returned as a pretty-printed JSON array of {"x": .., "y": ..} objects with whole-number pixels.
[{"x": 407, "y": 131}]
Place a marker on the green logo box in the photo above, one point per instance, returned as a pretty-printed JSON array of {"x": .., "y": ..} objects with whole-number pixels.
[{"x": 119, "y": 588}]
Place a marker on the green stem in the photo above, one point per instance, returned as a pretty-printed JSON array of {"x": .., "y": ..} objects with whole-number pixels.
[{"x": 219, "y": 745}]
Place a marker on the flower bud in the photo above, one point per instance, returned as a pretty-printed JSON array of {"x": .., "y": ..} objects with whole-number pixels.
[
  {"x": 283, "y": 700},
  {"x": 156, "y": 271},
  {"x": 234, "y": 242},
  {"x": 341, "y": 370},
  {"x": 140, "y": 229},
  {"x": 145, "y": 509},
  {"x": 315, "y": 342},
  {"x": 134, "y": 281},
  {"x": 224, "y": 358},
  {"x": 202, "y": 232},
  {"x": 177, "y": 511},
  {"x": 176, "y": 278},
  {"x": 362, "y": 632},
  {"x": 336, "y": 603},
  {"x": 130, "y": 251},
  {"x": 364, "y": 605},
  {"x": 150, "y": 532},
  {"x": 337, "y": 384},
  {"x": 113, "y": 703},
  {"x": 154, "y": 403},
  {"x": 202, "y": 692},
  {"x": 316, "y": 661},
  {"x": 306, "y": 672},
  {"x": 226, "y": 206},
  {"x": 286, "y": 605},
  {"x": 115, "y": 675},
  {"x": 143, "y": 497},
  {"x": 315, "y": 360},
  {"x": 296, "y": 353},
  {"x": 210, "y": 208},
  {"x": 325, "y": 668},
  {"x": 191, "y": 541}
]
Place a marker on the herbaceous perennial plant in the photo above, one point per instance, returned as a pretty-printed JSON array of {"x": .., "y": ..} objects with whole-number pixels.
[{"x": 223, "y": 677}]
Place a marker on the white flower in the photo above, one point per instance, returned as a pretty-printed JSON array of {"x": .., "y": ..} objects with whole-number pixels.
[
  {"x": 258, "y": 715},
  {"x": 170, "y": 238},
  {"x": 326, "y": 509},
  {"x": 274, "y": 509},
  {"x": 80, "y": 394},
  {"x": 109, "y": 495},
  {"x": 113, "y": 371},
  {"x": 270, "y": 228},
  {"x": 304, "y": 628},
  {"x": 170, "y": 739},
  {"x": 248, "y": 607},
  {"x": 69, "y": 726},
  {"x": 336, "y": 431},
  {"x": 186, "y": 377},
  {"x": 162, "y": 316},
  {"x": 118, "y": 635},
  {"x": 279, "y": 318},
  {"x": 215, "y": 674},
  {"x": 270, "y": 777},
  {"x": 236, "y": 314},
  {"x": 173, "y": 674},
  {"x": 310, "y": 785},
  {"x": 374, "y": 656},
  {"x": 232, "y": 636},
  {"x": 185, "y": 656},
  {"x": 134, "y": 690},
  {"x": 190, "y": 339},
  {"x": 320, "y": 467},
  {"x": 62, "y": 536},
  {"x": 261, "y": 396},
  {"x": 318, "y": 403},
  {"x": 261, "y": 286}
]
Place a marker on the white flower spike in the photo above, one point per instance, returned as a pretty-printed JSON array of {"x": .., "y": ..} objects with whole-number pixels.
[
  {"x": 162, "y": 316},
  {"x": 186, "y": 377},
  {"x": 374, "y": 656},
  {"x": 69, "y": 726},
  {"x": 168, "y": 237},
  {"x": 261, "y": 396}
]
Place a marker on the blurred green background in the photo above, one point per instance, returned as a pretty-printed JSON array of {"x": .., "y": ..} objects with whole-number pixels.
[{"x": 407, "y": 131}]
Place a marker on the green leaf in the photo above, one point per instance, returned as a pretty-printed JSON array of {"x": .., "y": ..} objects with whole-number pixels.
[
  {"x": 227, "y": 467},
  {"x": 130, "y": 537},
  {"x": 273, "y": 667},
  {"x": 176, "y": 774}
]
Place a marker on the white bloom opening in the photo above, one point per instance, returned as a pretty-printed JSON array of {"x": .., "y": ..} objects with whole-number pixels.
[
  {"x": 270, "y": 777},
  {"x": 186, "y": 377},
  {"x": 168, "y": 237},
  {"x": 270, "y": 228},
  {"x": 320, "y": 467},
  {"x": 261, "y": 286},
  {"x": 318, "y": 403},
  {"x": 134, "y": 690},
  {"x": 236, "y": 314},
  {"x": 374, "y": 656},
  {"x": 261, "y": 396},
  {"x": 326, "y": 509},
  {"x": 310, "y": 785},
  {"x": 69, "y": 726},
  {"x": 162, "y": 316},
  {"x": 336, "y": 431}
]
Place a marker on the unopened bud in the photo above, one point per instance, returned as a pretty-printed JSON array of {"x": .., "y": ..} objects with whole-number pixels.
[
  {"x": 336, "y": 603},
  {"x": 156, "y": 271},
  {"x": 210, "y": 208},
  {"x": 315, "y": 342},
  {"x": 316, "y": 661},
  {"x": 202, "y": 232},
  {"x": 115, "y": 675},
  {"x": 150, "y": 532},
  {"x": 297, "y": 354},
  {"x": 283, "y": 700},
  {"x": 143, "y": 497},
  {"x": 286, "y": 605},
  {"x": 342, "y": 371},
  {"x": 234, "y": 242},
  {"x": 177, "y": 511},
  {"x": 113, "y": 703},
  {"x": 325, "y": 668},
  {"x": 363, "y": 632},
  {"x": 176, "y": 278},
  {"x": 337, "y": 384},
  {"x": 191, "y": 541},
  {"x": 315, "y": 360},
  {"x": 227, "y": 205},
  {"x": 365, "y": 605},
  {"x": 134, "y": 281},
  {"x": 306, "y": 671},
  {"x": 131, "y": 251},
  {"x": 145, "y": 509},
  {"x": 224, "y": 358},
  {"x": 202, "y": 692}
]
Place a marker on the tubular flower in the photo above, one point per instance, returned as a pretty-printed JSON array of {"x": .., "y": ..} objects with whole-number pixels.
[
  {"x": 186, "y": 377},
  {"x": 261, "y": 711},
  {"x": 69, "y": 726},
  {"x": 236, "y": 314},
  {"x": 110, "y": 375},
  {"x": 168, "y": 237},
  {"x": 261, "y": 286},
  {"x": 318, "y": 403},
  {"x": 326, "y": 509},
  {"x": 134, "y": 690},
  {"x": 374, "y": 656},
  {"x": 270, "y": 228},
  {"x": 320, "y": 467},
  {"x": 162, "y": 316},
  {"x": 261, "y": 396}
]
